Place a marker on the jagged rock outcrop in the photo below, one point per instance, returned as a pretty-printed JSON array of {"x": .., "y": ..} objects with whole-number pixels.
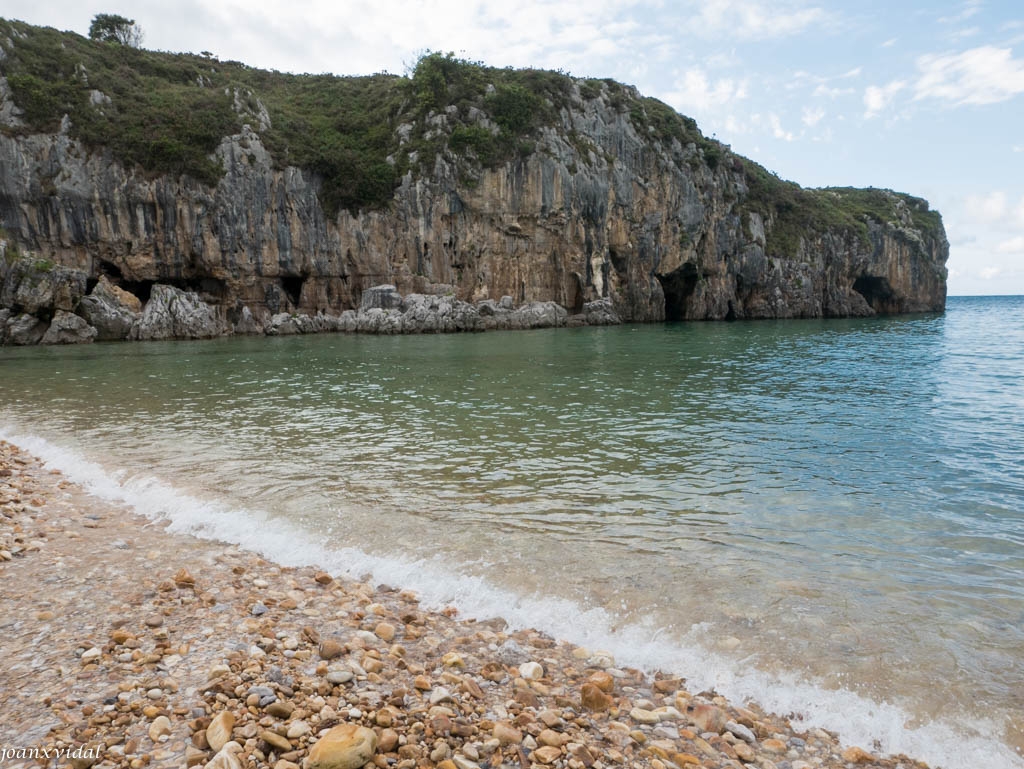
[
  {"x": 600, "y": 313},
  {"x": 111, "y": 310},
  {"x": 38, "y": 287},
  {"x": 439, "y": 314},
  {"x": 67, "y": 328},
  {"x": 23, "y": 329},
  {"x": 381, "y": 297},
  {"x": 246, "y": 325},
  {"x": 603, "y": 222},
  {"x": 172, "y": 313}
]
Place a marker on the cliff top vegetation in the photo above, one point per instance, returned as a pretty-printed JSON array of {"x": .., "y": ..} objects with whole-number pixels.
[{"x": 167, "y": 113}]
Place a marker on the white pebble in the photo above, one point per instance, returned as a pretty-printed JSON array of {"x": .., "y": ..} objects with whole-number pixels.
[
  {"x": 439, "y": 695},
  {"x": 531, "y": 671}
]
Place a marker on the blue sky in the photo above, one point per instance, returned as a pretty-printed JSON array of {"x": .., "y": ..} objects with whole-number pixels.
[{"x": 920, "y": 97}]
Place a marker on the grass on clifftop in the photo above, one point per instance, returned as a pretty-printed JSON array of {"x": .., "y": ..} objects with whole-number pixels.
[
  {"x": 796, "y": 211},
  {"x": 167, "y": 113}
]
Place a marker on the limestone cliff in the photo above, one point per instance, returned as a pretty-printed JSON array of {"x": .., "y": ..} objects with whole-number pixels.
[{"x": 604, "y": 214}]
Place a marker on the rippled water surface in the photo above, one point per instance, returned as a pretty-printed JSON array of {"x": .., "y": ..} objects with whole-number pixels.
[{"x": 835, "y": 504}]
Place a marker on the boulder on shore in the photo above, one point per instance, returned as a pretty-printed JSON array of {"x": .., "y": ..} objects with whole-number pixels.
[
  {"x": 172, "y": 313},
  {"x": 66, "y": 328},
  {"x": 111, "y": 310},
  {"x": 347, "y": 746}
]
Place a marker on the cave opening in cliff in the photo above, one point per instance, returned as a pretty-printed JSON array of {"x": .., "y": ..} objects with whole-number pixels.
[
  {"x": 111, "y": 270},
  {"x": 876, "y": 292},
  {"x": 140, "y": 288},
  {"x": 678, "y": 287},
  {"x": 292, "y": 285},
  {"x": 208, "y": 288}
]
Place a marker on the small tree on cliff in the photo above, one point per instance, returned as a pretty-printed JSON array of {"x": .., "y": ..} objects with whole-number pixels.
[{"x": 111, "y": 28}]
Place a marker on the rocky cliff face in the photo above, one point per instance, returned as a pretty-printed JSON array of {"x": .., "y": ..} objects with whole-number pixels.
[{"x": 648, "y": 229}]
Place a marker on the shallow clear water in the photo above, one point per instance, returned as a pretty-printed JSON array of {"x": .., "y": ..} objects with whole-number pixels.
[{"x": 825, "y": 515}]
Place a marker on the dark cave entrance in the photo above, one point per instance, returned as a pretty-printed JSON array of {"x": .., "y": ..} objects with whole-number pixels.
[
  {"x": 678, "y": 287},
  {"x": 292, "y": 285},
  {"x": 208, "y": 288},
  {"x": 140, "y": 288},
  {"x": 877, "y": 292}
]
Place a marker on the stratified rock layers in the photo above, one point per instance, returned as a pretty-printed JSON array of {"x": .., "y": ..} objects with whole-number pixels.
[{"x": 646, "y": 229}]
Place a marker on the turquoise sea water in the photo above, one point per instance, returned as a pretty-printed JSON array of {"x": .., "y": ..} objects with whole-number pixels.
[{"x": 826, "y": 516}]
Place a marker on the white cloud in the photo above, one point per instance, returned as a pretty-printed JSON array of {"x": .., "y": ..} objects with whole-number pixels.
[
  {"x": 877, "y": 98},
  {"x": 983, "y": 75},
  {"x": 889, "y": 43},
  {"x": 1011, "y": 246},
  {"x": 363, "y": 36},
  {"x": 812, "y": 116},
  {"x": 801, "y": 76},
  {"x": 721, "y": 60},
  {"x": 822, "y": 89},
  {"x": 996, "y": 217},
  {"x": 694, "y": 90},
  {"x": 833, "y": 93},
  {"x": 960, "y": 34},
  {"x": 756, "y": 20},
  {"x": 777, "y": 130},
  {"x": 734, "y": 126},
  {"x": 970, "y": 9},
  {"x": 987, "y": 209},
  {"x": 986, "y": 234}
]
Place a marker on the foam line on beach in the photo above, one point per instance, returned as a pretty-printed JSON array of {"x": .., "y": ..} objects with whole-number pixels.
[{"x": 860, "y": 721}]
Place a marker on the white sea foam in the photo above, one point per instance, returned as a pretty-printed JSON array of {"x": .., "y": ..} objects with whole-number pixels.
[{"x": 858, "y": 720}]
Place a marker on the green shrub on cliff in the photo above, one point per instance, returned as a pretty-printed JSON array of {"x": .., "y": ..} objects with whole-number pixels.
[
  {"x": 342, "y": 128},
  {"x": 479, "y": 140},
  {"x": 513, "y": 108},
  {"x": 654, "y": 116},
  {"x": 797, "y": 212},
  {"x": 112, "y": 28},
  {"x": 516, "y": 101},
  {"x": 167, "y": 114},
  {"x": 141, "y": 105}
]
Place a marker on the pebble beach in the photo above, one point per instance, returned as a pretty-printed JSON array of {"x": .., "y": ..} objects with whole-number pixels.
[{"x": 125, "y": 645}]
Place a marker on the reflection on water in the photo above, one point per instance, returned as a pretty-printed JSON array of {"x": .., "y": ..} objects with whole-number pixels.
[{"x": 843, "y": 498}]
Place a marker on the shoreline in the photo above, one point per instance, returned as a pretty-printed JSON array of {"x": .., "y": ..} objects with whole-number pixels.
[{"x": 127, "y": 640}]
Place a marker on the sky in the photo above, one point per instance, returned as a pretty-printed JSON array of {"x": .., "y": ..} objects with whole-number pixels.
[{"x": 924, "y": 97}]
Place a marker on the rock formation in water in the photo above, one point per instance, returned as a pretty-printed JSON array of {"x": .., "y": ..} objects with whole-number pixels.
[{"x": 506, "y": 200}]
